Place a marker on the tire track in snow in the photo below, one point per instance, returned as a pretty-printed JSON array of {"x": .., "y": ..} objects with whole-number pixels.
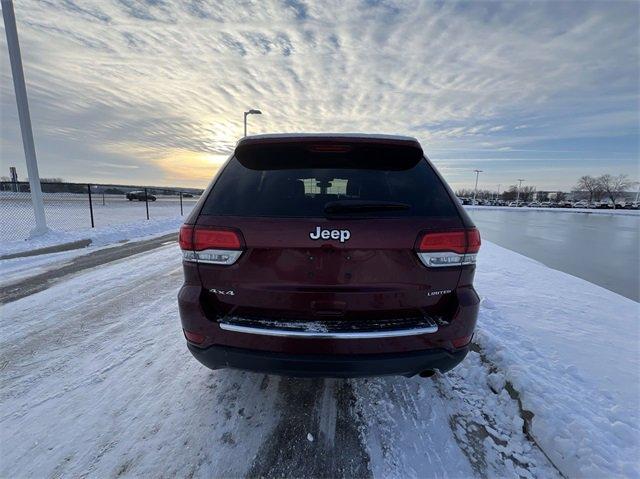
[{"x": 318, "y": 433}]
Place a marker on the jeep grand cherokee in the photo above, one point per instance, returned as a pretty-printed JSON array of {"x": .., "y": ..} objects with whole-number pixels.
[{"x": 331, "y": 256}]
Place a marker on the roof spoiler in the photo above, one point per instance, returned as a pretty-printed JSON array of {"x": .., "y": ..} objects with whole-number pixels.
[{"x": 320, "y": 151}]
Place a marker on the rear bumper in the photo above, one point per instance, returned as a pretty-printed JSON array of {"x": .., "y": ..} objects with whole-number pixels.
[{"x": 336, "y": 366}]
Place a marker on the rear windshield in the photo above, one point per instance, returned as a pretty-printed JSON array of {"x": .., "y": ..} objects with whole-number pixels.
[{"x": 331, "y": 191}]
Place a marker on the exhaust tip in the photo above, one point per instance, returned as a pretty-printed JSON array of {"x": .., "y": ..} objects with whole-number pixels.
[{"x": 427, "y": 373}]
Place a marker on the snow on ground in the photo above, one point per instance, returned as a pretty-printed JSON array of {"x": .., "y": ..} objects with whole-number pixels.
[
  {"x": 102, "y": 384},
  {"x": 102, "y": 236},
  {"x": 18, "y": 269},
  {"x": 97, "y": 381},
  {"x": 621, "y": 212},
  {"x": 571, "y": 350}
]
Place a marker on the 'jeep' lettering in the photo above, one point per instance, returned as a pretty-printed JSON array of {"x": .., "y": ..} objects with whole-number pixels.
[{"x": 319, "y": 233}]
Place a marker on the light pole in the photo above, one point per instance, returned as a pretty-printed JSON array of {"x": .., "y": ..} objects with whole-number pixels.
[
  {"x": 247, "y": 113},
  {"x": 24, "y": 117},
  {"x": 475, "y": 191},
  {"x": 520, "y": 180},
  {"x": 498, "y": 194}
]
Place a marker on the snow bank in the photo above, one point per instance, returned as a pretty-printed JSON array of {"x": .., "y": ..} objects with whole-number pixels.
[
  {"x": 571, "y": 350},
  {"x": 98, "y": 236}
]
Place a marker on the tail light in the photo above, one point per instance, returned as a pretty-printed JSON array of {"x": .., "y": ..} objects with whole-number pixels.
[
  {"x": 449, "y": 248},
  {"x": 212, "y": 245}
]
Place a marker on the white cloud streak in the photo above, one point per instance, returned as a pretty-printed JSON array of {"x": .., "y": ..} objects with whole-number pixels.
[{"x": 138, "y": 83}]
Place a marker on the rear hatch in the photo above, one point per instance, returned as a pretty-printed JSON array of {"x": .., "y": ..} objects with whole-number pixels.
[{"x": 325, "y": 230}]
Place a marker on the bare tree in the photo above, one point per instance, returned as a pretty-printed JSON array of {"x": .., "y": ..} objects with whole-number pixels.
[
  {"x": 510, "y": 193},
  {"x": 614, "y": 186},
  {"x": 591, "y": 185},
  {"x": 464, "y": 193},
  {"x": 526, "y": 193},
  {"x": 598, "y": 191}
]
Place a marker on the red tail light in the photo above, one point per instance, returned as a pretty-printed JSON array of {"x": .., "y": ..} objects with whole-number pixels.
[
  {"x": 215, "y": 239},
  {"x": 455, "y": 241},
  {"x": 186, "y": 237},
  {"x": 204, "y": 244},
  {"x": 449, "y": 248},
  {"x": 473, "y": 241}
]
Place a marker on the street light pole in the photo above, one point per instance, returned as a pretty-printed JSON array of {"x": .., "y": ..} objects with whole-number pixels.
[
  {"x": 24, "y": 117},
  {"x": 475, "y": 191},
  {"x": 247, "y": 113},
  {"x": 520, "y": 180}
]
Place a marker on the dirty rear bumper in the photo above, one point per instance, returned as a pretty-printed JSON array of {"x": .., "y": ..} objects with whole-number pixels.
[{"x": 333, "y": 366}]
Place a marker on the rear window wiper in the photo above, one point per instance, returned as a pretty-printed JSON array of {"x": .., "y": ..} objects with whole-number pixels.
[{"x": 357, "y": 206}]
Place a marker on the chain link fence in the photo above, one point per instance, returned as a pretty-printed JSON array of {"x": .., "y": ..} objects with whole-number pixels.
[{"x": 78, "y": 206}]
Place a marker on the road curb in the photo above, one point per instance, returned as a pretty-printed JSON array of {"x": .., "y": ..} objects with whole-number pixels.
[{"x": 49, "y": 249}]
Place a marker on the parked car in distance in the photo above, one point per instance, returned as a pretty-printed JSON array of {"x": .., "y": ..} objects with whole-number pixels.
[
  {"x": 140, "y": 196},
  {"x": 329, "y": 256},
  {"x": 546, "y": 204},
  {"x": 631, "y": 205},
  {"x": 187, "y": 195},
  {"x": 581, "y": 204},
  {"x": 534, "y": 204}
]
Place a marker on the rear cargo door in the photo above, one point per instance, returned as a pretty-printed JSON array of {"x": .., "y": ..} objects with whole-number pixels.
[{"x": 329, "y": 234}]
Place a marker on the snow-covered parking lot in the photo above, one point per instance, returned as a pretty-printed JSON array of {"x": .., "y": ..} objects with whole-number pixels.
[{"x": 97, "y": 382}]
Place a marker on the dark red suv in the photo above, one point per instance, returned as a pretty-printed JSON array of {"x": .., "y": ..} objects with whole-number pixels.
[{"x": 329, "y": 255}]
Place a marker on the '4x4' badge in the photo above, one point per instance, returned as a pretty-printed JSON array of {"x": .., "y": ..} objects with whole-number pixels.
[{"x": 229, "y": 292}]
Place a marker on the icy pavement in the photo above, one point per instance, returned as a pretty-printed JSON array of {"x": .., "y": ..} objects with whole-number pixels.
[
  {"x": 97, "y": 381},
  {"x": 591, "y": 211}
]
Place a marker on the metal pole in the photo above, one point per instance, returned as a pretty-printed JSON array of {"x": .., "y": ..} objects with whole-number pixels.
[
  {"x": 181, "y": 213},
  {"x": 245, "y": 123},
  {"x": 146, "y": 201},
  {"x": 519, "y": 186},
  {"x": 90, "y": 206},
  {"x": 25, "y": 119},
  {"x": 475, "y": 191}
]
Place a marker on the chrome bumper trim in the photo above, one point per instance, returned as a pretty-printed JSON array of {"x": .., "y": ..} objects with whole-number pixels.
[{"x": 288, "y": 333}]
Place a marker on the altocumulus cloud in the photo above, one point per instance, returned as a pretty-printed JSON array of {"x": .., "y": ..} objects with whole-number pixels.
[{"x": 153, "y": 91}]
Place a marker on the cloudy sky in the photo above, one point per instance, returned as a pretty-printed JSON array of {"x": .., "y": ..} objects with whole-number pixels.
[{"x": 152, "y": 92}]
